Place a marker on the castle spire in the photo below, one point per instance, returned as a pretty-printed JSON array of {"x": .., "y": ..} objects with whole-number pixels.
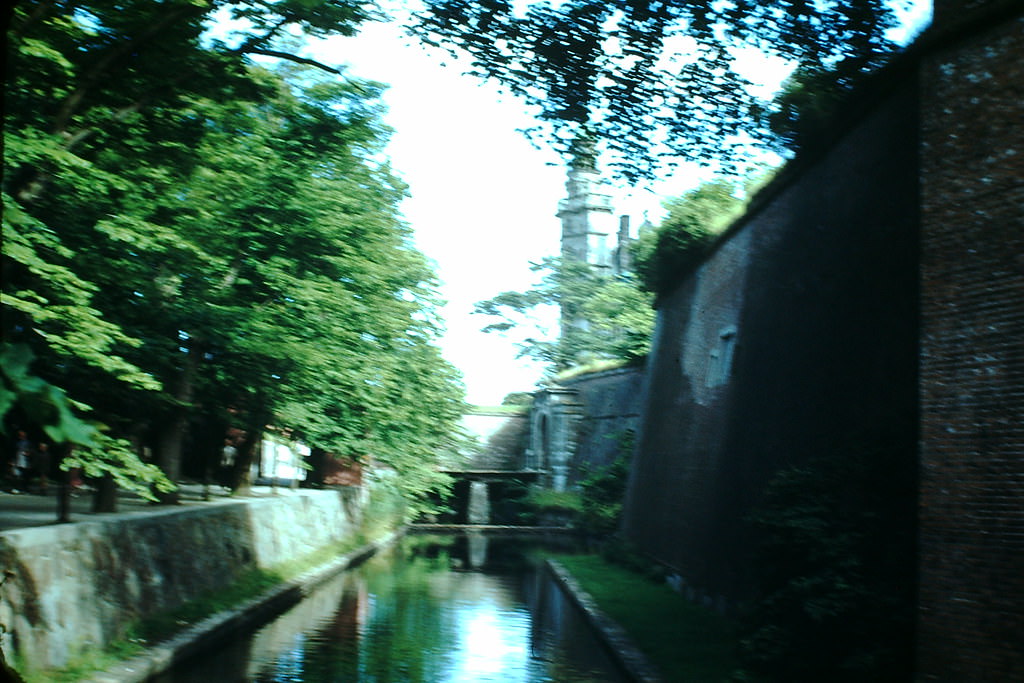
[{"x": 588, "y": 225}]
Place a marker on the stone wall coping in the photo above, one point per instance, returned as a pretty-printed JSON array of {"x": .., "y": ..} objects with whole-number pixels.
[
  {"x": 32, "y": 515},
  {"x": 76, "y": 528},
  {"x": 596, "y": 374},
  {"x": 633, "y": 662}
]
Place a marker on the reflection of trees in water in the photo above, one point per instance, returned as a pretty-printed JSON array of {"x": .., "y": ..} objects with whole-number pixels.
[
  {"x": 331, "y": 653},
  {"x": 419, "y": 613}
]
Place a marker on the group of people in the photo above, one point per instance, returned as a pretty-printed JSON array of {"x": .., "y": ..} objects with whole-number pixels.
[{"x": 28, "y": 469}]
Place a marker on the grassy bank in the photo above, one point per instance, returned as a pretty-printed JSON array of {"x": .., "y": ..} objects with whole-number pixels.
[{"x": 684, "y": 641}]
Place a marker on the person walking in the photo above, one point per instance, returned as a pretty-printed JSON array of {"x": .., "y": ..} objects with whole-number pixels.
[{"x": 22, "y": 463}]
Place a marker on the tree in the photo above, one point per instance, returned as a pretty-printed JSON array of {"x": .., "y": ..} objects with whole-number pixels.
[
  {"x": 224, "y": 240},
  {"x": 654, "y": 79},
  {"x": 307, "y": 307},
  {"x": 81, "y": 443},
  {"x": 602, "y": 317}
]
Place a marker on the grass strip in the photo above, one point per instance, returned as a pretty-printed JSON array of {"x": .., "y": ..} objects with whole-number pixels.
[
  {"x": 546, "y": 499},
  {"x": 684, "y": 641}
]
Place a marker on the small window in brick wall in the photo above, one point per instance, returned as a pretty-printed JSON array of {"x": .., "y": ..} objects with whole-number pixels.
[{"x": 720, "y": 360}]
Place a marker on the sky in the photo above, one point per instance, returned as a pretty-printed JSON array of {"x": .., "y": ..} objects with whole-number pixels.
[{"x": 482, "y": 198}]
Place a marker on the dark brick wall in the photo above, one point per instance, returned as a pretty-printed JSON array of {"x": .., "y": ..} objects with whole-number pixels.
[
  {"x": 838, "y": 333},
  {"x": 610, "y": 404},
  {"x": 971, "y": 616},
  {"x": 819, "y": 286}
]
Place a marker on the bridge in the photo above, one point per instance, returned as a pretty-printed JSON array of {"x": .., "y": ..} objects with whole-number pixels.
[{"x": 500, "y": 460}]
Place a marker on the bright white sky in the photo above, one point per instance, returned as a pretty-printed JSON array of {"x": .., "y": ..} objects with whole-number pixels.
[{"x": 483, "y": 198}]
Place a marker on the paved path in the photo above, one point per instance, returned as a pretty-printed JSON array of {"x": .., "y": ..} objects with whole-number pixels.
[{"x": 18, "y": 511}]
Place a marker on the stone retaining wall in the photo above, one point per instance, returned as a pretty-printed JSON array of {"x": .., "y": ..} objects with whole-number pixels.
[
  {"x": 609, "y": 420},
  {"x": 78, "y": 585}
]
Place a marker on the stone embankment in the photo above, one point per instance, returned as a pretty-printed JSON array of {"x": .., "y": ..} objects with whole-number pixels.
[
  {"x": 207, "y": 633},
  {"x": 73, "y": 587},
  {"x": 634, "y": 663}
]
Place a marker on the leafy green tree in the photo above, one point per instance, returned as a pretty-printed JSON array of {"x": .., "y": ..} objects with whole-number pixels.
[
  {"x": 217, "y": 237},
  {"x": 654, "y": 79},
  {"x": 602, "y": 317},
  {"x": 82, "y": 443},
  {"x": 308, "y": 304},
  {"x": 804, "y": 107},
  {"x": 602, "y": 495}
]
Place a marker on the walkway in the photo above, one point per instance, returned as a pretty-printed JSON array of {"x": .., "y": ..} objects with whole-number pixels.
[{"x": 22, "y": 510}]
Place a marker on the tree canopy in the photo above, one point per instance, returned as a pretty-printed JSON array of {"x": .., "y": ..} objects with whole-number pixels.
[
  {"x": 602, "y": 317},
  {"x": 190, "y": 239},
  {"x": 193, "y": 242},
  {"x": 655, "y": 80}
]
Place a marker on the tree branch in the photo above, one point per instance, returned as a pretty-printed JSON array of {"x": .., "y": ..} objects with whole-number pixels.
[
  {"x": 293, "y": 58},
  {"x": 71, "y": 103}
]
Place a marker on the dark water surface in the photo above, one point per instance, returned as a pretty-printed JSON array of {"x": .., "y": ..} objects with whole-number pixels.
[{"x": 432, "y": 609}]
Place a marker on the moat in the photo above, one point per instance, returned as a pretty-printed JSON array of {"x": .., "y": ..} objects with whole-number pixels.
[{"x": 431, "y": 608}]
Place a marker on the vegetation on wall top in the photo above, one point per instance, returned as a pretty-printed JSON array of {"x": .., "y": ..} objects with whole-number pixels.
[{"x": 695, "y": 220}]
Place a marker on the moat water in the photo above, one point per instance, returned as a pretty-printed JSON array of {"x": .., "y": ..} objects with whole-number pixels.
[{"x": 461, "y": 608}]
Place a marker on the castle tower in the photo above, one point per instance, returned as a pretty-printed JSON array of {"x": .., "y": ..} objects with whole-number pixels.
[{"x": 588, "y": 225}]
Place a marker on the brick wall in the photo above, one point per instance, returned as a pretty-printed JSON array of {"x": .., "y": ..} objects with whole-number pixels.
[
  {"x": 609, "y": 418},
  {"x": 971, "y": 617},
  {"x": 817, "y": 287},
  {"x": 832, "y": 335}
]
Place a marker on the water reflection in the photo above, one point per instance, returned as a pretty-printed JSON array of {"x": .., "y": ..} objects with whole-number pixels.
[{"x": 438, "y": 609}]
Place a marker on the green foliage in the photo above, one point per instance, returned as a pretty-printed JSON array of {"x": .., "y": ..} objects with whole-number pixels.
[
  {"x": 88, "y": 447},
  {"x": 588, "y": 368},
  {"x": 43, "y": 403},
  {"x": 111, "y": 457},
  {"x": 802, "y": 110},
  {"x": 42, "y": 290},
  {"x": 837, "y": 568},
  {"x": 518, "y": 398},
  {"x": 653, "y": 79},
  {"x": 685, "y": 642},
  {"x": 603, "y": 317},
  {"x": 682, "y": 240},
  {"x": 603, "y": 494},
  {"x": 192, "y": 242},
  {"x": 547, "y": 500},
  {"x": 247, "y": 585},
  {"x": 80, "y": 666}
]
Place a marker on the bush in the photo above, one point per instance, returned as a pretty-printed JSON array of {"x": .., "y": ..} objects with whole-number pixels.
[
  {"x": 837, "y": 568},
  {"x": 682, "y": 241},
  {"x": 547, "y": 500},
  {"x": 603, "y": 492}
]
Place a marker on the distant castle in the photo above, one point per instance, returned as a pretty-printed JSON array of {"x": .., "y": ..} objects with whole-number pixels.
[{"x": 590, "y": 232}]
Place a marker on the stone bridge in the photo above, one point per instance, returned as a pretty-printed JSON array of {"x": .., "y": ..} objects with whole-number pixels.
[{"x": 500, "y": 457}]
